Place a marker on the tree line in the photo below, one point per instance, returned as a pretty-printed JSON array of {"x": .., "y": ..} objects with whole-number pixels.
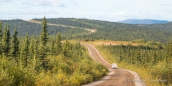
[
  {"x": 105, "y": 30},
  {"x": 34, "y": 29},
  {"x": 155, "y": 60},
  {"x": 117, "y": 31},
  {"x": 34, "y": 61}
]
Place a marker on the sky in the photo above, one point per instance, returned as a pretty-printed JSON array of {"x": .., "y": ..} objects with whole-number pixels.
[{"x": 108, "y": 10}]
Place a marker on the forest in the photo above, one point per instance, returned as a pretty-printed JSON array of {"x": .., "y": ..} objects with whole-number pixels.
[
  {"x": 105, "y": 30},
  {"x": 151, "y": 62},
  {"x": 44, "y": 60},
  {"x": 117, "y": 31},
  {"x": 34, "y": 29},
  {"x": 33, "y": 54}
]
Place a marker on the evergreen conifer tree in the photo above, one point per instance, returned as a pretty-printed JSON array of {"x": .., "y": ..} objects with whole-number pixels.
[
  {"x": 31, "y": 48},
  {"x": 25, "y": 53},
  {"x": 66, "y": 49},
  {"x": 43, "y": 42},
  {"x": 169, "y": 52},
  {"x": 52, "y": 48},
  {"x": 6, "y": 40},
  {"x": 1, "y": 34},
  {"x": 59, "y": 44},
  {"x": 36, "y": 49},
  {"x": 15, "y": 45}
]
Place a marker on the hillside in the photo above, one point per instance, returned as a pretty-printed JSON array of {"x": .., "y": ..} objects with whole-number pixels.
[
  {"x": 34, "y": 29},
  {"x": 144, "y": 21},
  {"x": 118, "y": 31},
  {"x": 47, "y": 61},
  {"x": 105, "y": 30}
]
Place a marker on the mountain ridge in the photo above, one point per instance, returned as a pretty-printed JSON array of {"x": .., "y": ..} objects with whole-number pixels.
[
  {"x": 104, "y": 30},
  {"x": 144, "y": 21}
]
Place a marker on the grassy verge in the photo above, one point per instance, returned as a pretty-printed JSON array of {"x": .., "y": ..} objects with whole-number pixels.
[{"x": 144, "y": 72}]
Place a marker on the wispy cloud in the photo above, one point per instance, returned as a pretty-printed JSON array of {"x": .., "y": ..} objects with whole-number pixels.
[
  {"x": 121, "y": 6},
  {"x": 56, "y": 3},
  {"x": 4, "y": 0},
  {"x": 121, "y": 13},
  {"x": 74, "y": 3},
  {"x": 28, "y": 11},
  {"x": 113, "y": 10},
  {"x": 165, "y": 4},
  {"x": 10, "y": 1}
]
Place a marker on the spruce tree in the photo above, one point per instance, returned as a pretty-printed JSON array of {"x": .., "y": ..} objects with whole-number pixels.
[
  {"x": 36, "y": 49},
  {"x": 31, "y": 48},
  {"x": 58, "y": 44},
  {"x": 15, "y": 45},
  {"x": 25, "y": 53},
  {"x": 66, "y": 49},
  {"x": 6, "y": 40},
  {"x": 169, "y": 52},
  {"x": 52, "y": 48},
  {"x": 43, "y": 42},
  {"x": 1, "y": 34}
]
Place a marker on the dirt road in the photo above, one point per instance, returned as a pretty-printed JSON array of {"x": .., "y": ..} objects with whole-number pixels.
[
  {"x": 39, "y": 22},
  {"x": 116, "y": 77}
]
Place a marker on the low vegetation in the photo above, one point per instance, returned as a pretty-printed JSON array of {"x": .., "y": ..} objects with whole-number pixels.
[
  {"x": 151, "y": 62},
  {"x": 44, "y": 61}
]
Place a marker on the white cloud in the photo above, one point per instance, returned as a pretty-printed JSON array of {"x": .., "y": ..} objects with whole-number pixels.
[
  {"x": 56, "y": 3},
  {"x": 105, "y": 9},
  {"x": 74, "y": 3},
  {"x": 121, "y": 13},
  {"x": 134, "y": 12},
  {"x": 4, "y": 0}
]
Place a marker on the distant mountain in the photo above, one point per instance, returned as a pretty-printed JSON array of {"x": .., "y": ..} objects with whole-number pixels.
[{"x": 144, "y": 21}]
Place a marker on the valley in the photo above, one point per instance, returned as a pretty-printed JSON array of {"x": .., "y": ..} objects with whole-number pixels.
[{"x": 44, "y": 48}]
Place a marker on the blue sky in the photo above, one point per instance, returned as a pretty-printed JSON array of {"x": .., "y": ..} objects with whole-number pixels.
[{"x": 109, "y": 10}]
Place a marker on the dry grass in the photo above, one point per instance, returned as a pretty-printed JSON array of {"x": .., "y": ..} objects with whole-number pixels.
[
  {"x": 108, "y": 42},
  {"x": 145, "y": 76}
]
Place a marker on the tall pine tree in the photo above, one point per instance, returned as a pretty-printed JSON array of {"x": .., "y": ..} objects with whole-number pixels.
[
  {"x": 66, "y": 49},
  {"x": 1, "y": 34},
  {"x": 52, "y": 48},
  {"x": 169, "y": 52},
  {"x": 6, "y": 40},
  {"x": 43, "y": 42},
  {"x": 31, "y": 48},
  {"x": 36, "y": 49},
  {"x": 58, "y": 44},
  {"x": 25, "y": 52},
  {"x": 15, "y": 45}
]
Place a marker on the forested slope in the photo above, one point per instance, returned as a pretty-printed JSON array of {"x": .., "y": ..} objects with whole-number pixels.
[
  {"x": 105, "y": 30},
  {"x": 118, "y": 31},
  {"x": 34, "y": 29},
  {"x": 167, "y": 26}
]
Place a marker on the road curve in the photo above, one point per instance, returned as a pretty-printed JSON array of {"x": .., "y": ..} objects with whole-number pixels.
[
  {"x": 51, "y": 24},
  {"x": 116, "y": 77}
]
